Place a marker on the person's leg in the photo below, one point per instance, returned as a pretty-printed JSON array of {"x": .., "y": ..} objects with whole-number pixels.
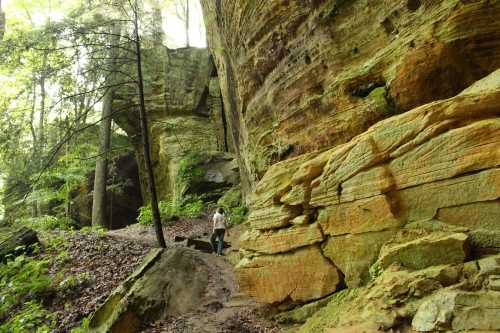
[
  {"x": 221, "y": 240},
  {"x": 212, "y": 240}
]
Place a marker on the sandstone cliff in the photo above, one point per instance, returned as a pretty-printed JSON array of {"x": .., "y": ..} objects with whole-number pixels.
[
  {"x": 186, "y": 123},
  {"x": 298, "y": 76},
  {"x": 367, "y": 134}
]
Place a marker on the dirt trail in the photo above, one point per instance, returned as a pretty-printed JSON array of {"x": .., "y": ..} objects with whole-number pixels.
[{"x": 222, "y": 308}]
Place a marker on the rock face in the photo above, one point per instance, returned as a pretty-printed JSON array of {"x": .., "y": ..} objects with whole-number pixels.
[
  {"x": 442, "y": 156},
  {"x": 295, "y": 277},
  {"x": 189, "y": 145},
  {"x": 298, "y": 76},
  {"x": 455, "y": 298},
  {"x": 354, "y": 121}
]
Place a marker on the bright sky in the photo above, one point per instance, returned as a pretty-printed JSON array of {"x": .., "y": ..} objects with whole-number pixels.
[{"x": 173, "y": 26}]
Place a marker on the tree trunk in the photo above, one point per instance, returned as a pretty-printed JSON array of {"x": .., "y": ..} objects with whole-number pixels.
[
  {"x": 43, "y": 95},
  {"x": 144, "y": 134},
  {"x": 187, "y": 23},
  {"x": 99, "y": 210},
  {"x": 2, "y": 21},
  {"x": 21, "y": 237}
]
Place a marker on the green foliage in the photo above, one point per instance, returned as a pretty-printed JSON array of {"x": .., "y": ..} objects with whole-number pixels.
[
  {"x": 46, "y": 222},
  {"x": 32, "y": 318},
  {"x": 99, "y": 230},
  {"x": 84, "y": 327},
  {"x": 233, "y": 204},
  {"x": 375, "y": 271},
  {"x": 22, "y": 278},
  {"x": 191, "y": 207},
  {"x": 238, "y": 215},
  {"x": 189, "y": 168}
]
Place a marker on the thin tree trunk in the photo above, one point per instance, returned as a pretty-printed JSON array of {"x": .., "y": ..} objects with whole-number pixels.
[
  {"x": 99, "y": 210},
  {"x": 2, "y": 21},
  {"x": 43, "y": 95},
  {"x": 32, "y": 118},
  {"x": 41, "y": 123},
  {"x": 187, "y": 23},
  {"x": 144, "y": 134},
  {"x": 34, "y": 158}
]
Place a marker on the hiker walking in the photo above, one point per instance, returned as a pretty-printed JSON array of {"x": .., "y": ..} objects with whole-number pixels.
[{"x": 219, "y": 229}]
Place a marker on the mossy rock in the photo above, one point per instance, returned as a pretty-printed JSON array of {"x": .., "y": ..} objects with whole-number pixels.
[
  {"x": 339, "y": 306},
  {"x": 300, "y": 314},
  {"x": 231, "y": 198},
  {"x": 169, "y": 282}
]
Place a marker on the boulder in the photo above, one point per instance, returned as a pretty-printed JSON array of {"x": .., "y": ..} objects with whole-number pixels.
[
  {"x": 169, "y": 282},
  {"x": 297, "y": 277},
  {"x": 432, "y": 250},
  {"x": 17, "y": 241},
  {"x": 459, "y": 311}
]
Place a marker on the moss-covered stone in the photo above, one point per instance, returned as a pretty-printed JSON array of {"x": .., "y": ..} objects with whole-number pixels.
[
  {"x": 169, "y": 282},
  {"x": 329, "y": 316},
  {"x": 232, "y": 198},
  {"x": 300, "y": 314}
]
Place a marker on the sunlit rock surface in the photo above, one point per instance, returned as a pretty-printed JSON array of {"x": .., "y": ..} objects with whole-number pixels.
[{"x": 298, "y": 76}]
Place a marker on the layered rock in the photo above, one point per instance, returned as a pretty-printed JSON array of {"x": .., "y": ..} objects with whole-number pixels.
[
  {"x": 186, "y": 123},
  {"x": 440, "y": 157},
  {"x": 298, "y": 76},
  {"x": 457, "y": 298},
  {"x": 295, "y": 277}
]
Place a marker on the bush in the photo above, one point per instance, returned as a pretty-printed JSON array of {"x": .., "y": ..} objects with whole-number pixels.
[
  {"x": 238, "y": 214},
  {"x": 190, "y": 207}
]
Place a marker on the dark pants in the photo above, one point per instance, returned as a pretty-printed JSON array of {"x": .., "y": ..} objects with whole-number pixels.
[{"x": 219, "y": 235}]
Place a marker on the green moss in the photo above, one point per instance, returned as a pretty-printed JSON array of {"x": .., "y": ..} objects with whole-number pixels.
[
  {"x": 302, "y": 313},
  {"x": 189, "y": 169},
  {"x": 384, "y": 106},
  {"x": 330, "y": 315},
  {"x": 231, "y": 198}
]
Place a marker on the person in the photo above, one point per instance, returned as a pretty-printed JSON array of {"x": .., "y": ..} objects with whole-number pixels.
[{"x": 219, "y": 229}]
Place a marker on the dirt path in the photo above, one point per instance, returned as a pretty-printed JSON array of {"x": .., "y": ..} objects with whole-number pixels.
[{"x": 222, "y": 308}]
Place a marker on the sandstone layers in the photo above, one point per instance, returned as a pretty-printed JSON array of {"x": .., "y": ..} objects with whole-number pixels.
[
  {"x": 367, "y": 134},
  {"x": 301, "y": 75}
]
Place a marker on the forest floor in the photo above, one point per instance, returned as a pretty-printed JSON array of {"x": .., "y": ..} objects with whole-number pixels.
[{"x": 90, "y": 265}]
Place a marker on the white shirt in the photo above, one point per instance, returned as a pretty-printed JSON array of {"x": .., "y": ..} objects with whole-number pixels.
[{"x": 219, "y": 221}]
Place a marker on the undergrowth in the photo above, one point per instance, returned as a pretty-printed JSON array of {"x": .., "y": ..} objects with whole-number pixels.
[
  {"x": 25, "y": 283},
  {"x": 190, "y": 207}
]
